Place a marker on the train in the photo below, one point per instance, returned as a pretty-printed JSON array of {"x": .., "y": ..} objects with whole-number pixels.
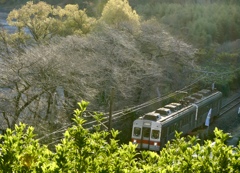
[{"x": 154, "y": 129}]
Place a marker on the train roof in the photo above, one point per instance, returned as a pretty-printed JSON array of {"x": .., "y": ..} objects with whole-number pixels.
[
  {"x": 172, "y": 107},
  {"x": 163, "y": 111},
  {"x": 169, "y": 106},
  {"x": 204, "y": 92},
  {"x": 199, "y": 102},
  {"x": 164, "y": 115},
  {"x": 190, "y": 99},
  {"x": 176, "y": 104},
  {"x": 151, "y": 116}
]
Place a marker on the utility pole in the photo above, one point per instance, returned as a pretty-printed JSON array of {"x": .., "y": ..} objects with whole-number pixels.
[{"x": 110, "y": 114}]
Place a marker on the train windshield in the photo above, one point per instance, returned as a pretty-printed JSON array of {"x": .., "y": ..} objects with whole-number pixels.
[
  {"x": 155, "y": 134},
  {"x": 146, "y": 132},
  {"x": 137, "y": 131}
]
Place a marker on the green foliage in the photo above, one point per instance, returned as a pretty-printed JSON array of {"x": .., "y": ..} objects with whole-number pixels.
[
  {"x": 203, "y": 24},
  {"x": 21, "y": 153},
  {"x": 221, "y": 68},
  {"x": 189, "y": 156},
  {"x": 82, "y": 151},
  {"x": 72, "y": 20},
  {"x": 34, "y": 17}
]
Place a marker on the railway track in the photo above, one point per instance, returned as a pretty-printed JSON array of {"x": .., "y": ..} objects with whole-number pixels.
[
  {"x": 223, "y": 121},
  {"x": 228, "y": 121},
  {"x": 230, "y": 105},
  {"x": 227, "y": 106}
]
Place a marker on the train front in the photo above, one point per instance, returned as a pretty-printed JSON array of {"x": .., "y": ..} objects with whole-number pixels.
[{"x": 146, "y": 134}]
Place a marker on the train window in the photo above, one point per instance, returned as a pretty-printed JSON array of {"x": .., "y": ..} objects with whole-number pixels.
[
  {"x": 207, "y": 108},
  {"x": 185, "y": 120},
  {"x": 215, "y": 104},
  {"x": 146, "y": 132},
  {"x": 155, "y": 134},
  {"x": 164, "y": 131},
  {"x": 176, "y": 127},
  {"x": 137, "y": 131},
  {"x": 171, "y": 129}
]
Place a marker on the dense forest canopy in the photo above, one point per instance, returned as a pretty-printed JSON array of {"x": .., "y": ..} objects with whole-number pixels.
[
  {"x": 200, "y": 22},
  {"x": 67, "y": 56},
  {"x": 155, "y": 44}
]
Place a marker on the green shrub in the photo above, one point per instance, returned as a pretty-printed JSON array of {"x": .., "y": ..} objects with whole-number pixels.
[{"x": 82, "y": 151}]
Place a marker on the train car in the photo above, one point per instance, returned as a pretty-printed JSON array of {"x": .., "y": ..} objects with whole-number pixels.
[{"x": 153, "y": 130}]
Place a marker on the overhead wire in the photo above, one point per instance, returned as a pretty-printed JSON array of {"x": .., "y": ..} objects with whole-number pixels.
[
  {"x": 155, "y": 100},
  {"x": 121, "y": 113},
  {"x": 124, "y": 112}
]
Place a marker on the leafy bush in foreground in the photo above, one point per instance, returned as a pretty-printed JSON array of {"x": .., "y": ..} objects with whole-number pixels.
[{"x": 82, "y": 151}]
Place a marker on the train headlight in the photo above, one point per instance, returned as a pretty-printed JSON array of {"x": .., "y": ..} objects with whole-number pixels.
[
  {"x": 155, "y": 143},
  {"x": 134, "y": 141}
]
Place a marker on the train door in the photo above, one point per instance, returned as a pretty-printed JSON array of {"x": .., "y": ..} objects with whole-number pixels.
[
  {"x": 145, "y": 141},
  {"x": 141, "y": 133}
]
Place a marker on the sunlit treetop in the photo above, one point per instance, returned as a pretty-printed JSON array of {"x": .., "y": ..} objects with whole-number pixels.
[
  {"x": 116, "y": 12},
  {"x": 29, "y": 14},
  {"x": 73, "y": 21},
  {"x": 35, "y": 17},
  {"x": 44, "y": 21}
]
